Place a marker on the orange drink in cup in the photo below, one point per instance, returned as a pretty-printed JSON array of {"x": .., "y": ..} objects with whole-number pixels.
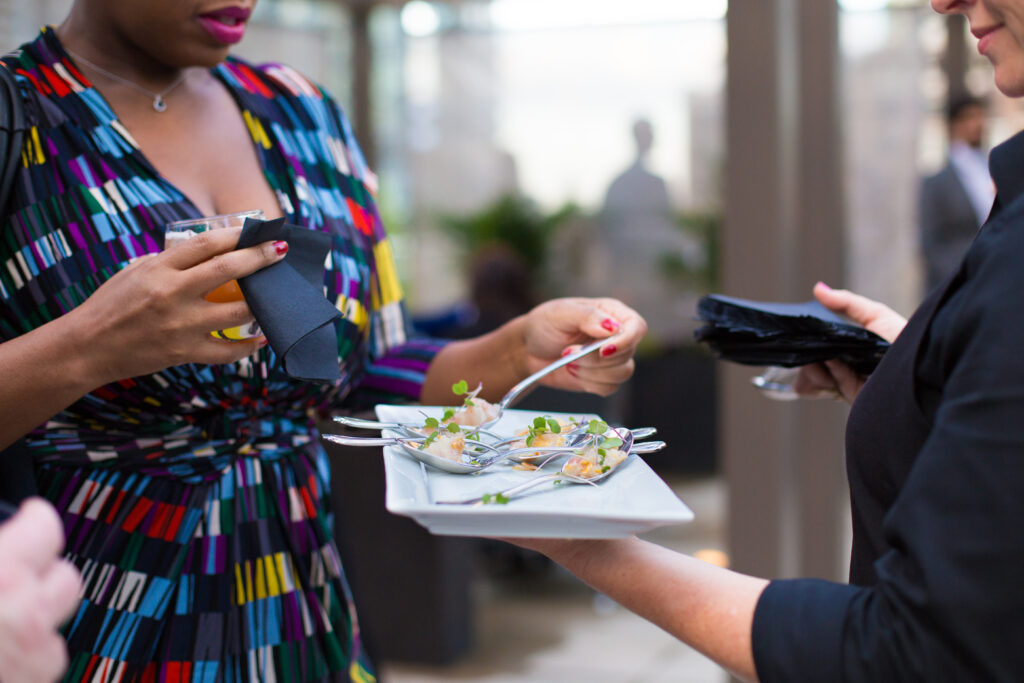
[{"x": 179, "y": 231}]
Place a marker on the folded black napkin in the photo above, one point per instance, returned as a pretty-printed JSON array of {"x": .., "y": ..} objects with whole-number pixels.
[
  {"x": 784, "y": 334},
  {"x": 287, "y": 300}
]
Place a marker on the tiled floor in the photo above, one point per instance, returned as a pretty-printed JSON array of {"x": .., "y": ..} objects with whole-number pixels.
[{"x": 553, "y": 629}]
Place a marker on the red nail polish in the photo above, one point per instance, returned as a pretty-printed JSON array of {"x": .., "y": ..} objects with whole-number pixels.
[
  {"x": 566, "y": 352},
  {"x": 573, "y": 369},
  {"x": 609, "y": 325},
  {"x": 608, "y": 350},
  {"x": 281, "y": 247}
]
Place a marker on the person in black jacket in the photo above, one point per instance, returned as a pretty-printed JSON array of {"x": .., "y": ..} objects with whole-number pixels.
[
  {"x": 953, "y": 203},
  {"x": 935, "y": 459}
]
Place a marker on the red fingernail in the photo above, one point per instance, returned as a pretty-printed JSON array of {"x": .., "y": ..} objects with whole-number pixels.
[
  {"x": 608, "y": 350},
  {"x": 566, "y": 352},
  {"x": 609, "y": 325},
  {"x": 281, "y": 247},
  {"x": 573, "y": 369},
  {"x": 264, "y": 342}
]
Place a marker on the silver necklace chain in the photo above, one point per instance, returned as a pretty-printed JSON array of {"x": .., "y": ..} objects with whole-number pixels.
[{"x": 158, "y": 97}]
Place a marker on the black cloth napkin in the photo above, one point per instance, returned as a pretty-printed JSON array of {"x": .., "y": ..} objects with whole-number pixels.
[
  {"x": 784, "y": 334},
  {"x": 287, "y": 300}
]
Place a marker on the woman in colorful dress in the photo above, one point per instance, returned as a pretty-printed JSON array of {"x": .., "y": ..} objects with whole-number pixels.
[{"x": 193, "y": 497}]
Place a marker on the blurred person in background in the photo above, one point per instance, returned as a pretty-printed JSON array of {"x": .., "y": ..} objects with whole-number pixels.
[
  {"x": 935, "y": 461},
  {"x": 38, "y": 591},
  {"x": 953, "y": 203},
  {"x": 193, "y": 497},
  {"x": 638, "y": 232}
]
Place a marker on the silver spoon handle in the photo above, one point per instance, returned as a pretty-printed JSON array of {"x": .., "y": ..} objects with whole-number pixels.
[
  {"x": 514, "y": 392},
  {"x": 540, "y": 450},
  {"x": 360, "y": 423},
  {"x": 507, "y": 493},
  {"x": 360, "y": 440},
  {"x": 647, "y": 447}
]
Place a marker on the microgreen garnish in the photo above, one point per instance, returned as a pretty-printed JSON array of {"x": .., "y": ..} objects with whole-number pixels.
[
  {"x": 494, "y": 499},
  {"x": 611, "y": 442},
  {"x": 597, "y": 427},
  {"x": 429, "y": 440},
  {"x": 462, "y": 387},
  {"x": 454, "y": 428},
  {"x": 449, "y": 413},
  {"x": 431, "y": 423},
  {"x": 542, "y": 425}
]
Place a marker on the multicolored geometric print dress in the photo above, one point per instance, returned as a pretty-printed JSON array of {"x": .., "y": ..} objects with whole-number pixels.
[{"x": 195, "y": 499}]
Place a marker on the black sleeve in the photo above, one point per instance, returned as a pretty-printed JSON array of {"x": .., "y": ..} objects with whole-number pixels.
[{"x": 949, "y": 602}]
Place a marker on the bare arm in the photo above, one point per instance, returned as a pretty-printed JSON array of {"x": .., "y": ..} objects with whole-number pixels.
[
  {"x": 147, "y": 317},
  {"x": 709, "y": 608}
]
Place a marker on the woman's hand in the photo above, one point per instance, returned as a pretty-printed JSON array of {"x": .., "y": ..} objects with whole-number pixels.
[
  {"x": 38, "y": 591},
  {"x": 560, "y": 326},
  {"x": 500, "y": 359},
  {"x": 153, "y": 314},
  {"x": 834, "y": 376}
]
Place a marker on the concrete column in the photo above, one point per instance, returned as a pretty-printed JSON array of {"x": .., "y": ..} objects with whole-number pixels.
[
  {"x": 954, "y": 62},
  {"x": 362, "y": 67},
  {"x": 783, "y": 231}
]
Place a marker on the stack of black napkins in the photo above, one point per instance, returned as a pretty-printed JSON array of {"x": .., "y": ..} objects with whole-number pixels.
[{"x": 787, "y": 335}]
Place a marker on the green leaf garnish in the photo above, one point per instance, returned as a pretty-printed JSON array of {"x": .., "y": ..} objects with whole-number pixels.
[
  {"x": 539, "y": 423},
  {"x": 494, "y": 499},
  {"x": 454, "y": 428},
  {"x": 597, "y": 427},
  {"x": 449, "y": 413},
  {"x": 429, "y": 440},
  {"x": 611, "y": 442},
  {"x": 531, "y": 438},
  {"x": 431, "y": 423},
  {"x": 460, "y": 387},
  {"x": 554, "y": 426}
]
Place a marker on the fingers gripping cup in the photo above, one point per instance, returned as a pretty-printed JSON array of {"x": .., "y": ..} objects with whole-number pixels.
[{"x": 180, "y": 231}]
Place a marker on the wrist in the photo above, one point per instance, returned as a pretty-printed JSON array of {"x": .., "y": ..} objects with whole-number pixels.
[
  {"x": 85, "y": 366},
  {"x": 514, "y": 353}
]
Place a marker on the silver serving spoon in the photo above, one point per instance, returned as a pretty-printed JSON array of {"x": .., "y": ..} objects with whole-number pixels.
[
  {"x": 638, "y": 433},
  {"x": 560, "y": 475},
  {"x": 539, "y": 453},
  {"x": 470, "y": 463},
  {"x": 408, "y": 428}
]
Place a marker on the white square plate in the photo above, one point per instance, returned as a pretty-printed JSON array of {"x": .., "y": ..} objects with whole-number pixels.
[{"x": 631, "y": 501}]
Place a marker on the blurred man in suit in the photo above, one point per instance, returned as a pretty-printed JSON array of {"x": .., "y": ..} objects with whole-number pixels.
[{"x": 955, "y": 201}]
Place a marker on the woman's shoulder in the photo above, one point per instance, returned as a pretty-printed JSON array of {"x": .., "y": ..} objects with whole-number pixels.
[
  {"x": 276, "y": 80},
  {"x": 292, "y": 101}
]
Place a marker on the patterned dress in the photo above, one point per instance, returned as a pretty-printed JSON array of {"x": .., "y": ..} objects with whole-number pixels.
[{"x": 194, "y": 499}]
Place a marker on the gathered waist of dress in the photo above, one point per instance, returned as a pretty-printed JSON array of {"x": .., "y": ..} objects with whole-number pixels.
[{"x": 196, "y": 449}]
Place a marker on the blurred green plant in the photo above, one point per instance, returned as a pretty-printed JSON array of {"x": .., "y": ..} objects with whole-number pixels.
[
  {"x": 512, "y": 221},
  {"x": 704, "y": 227}
]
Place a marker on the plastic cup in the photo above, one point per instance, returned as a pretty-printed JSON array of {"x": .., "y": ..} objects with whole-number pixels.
[{"x": 180, "y": 231}]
